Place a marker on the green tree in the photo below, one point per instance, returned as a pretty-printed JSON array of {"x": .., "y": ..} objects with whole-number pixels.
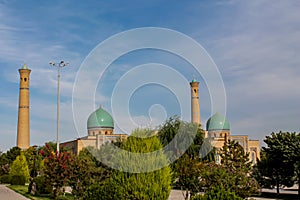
[
  {"x": 152, "y": 184},
  {"x": 12, "y": 154},
  {"x": 4, "y": 164},
  {"x": 20, "y": 168},
  {"x": 280, "y": 167},
  {"x": 238, "y": 167},
  {"x": 185, "y": 168},
  {"x": 6, "y": 159},
  {"x": 186, "y": 171},
  {"x": 234, "y": 157},
  {"x": 86, "y": 170}
]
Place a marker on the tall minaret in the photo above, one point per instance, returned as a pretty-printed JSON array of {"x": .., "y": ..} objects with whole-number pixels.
[
  {"x": 23, "y": 138},
  {"x": 195, "y": 104}
]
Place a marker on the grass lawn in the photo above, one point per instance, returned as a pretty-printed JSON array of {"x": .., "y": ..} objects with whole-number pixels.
[{"x": 22, "y": 189}]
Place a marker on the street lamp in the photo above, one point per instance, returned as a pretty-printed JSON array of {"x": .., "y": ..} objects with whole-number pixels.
[
  {"x": 35, "y": 149},
  {"x": 59, "y": 65}
]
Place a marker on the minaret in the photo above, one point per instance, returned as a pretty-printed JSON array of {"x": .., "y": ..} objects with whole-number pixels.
[
  {"x": 195, "y": 104},
  {"x": 23, "y": 138}
]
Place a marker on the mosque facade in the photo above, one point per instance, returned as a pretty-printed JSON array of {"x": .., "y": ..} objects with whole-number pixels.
[
  {"x": 100, "y": 125},
  {"x": 100, "y": 129},
  {"x": 218, "y": 129}
]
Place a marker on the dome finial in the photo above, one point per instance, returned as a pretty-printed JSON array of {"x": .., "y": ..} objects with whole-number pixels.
[{"x": 24, "y": 66}]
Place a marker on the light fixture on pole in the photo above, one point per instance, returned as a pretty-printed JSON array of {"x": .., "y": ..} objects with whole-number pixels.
[{"x": 59, "y": 65}]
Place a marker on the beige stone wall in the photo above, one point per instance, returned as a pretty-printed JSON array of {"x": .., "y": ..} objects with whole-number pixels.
[
  {"x": 254, "y": 149},
  {"x": 76, "y": 146},
  {"x": 250, "y": 146}
]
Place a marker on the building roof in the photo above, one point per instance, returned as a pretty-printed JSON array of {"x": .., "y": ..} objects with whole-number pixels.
[
  {"x": 100, "y": 119},
  {"x": 217, "y": 122}
]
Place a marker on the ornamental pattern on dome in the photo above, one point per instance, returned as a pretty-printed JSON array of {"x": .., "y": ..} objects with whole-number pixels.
[
  {"x": 217, "y": 122},
  {"x": 100, "y": 119}
]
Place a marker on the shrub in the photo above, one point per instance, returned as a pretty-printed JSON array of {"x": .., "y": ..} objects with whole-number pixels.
[
  {"x": 42, "y": 187},
  {"x": 62, "y": 197},
  {"x": 20, "y": 167},
  {"x": 149, "y": 184},
  {"x": 6, "y": 178},
  {"x": 18, "y": 180},
  {"x": 98, "y": 191},
  {"x": 217, "y": 193}
]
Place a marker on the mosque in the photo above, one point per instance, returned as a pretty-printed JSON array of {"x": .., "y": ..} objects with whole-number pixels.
[{"x": 100, "y": 125}]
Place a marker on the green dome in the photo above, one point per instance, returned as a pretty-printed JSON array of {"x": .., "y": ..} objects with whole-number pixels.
[
  {"x": 100, "y": 119},
  {"x": 217, "y": 122}
]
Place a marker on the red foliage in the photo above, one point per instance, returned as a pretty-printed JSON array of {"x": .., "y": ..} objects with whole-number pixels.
[{"x": 58, "y": 168}]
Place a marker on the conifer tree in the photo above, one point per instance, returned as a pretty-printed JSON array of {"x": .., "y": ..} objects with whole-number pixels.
[
  {"x": 150, "y": 183},
  {"x": 236, "y": 163},
  {"x": 20, "y": 167}
]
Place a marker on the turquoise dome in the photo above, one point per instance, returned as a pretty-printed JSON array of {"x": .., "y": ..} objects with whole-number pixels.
[
  {"x": 100, "y": 119},
  {"x": 217, "y": 122}
]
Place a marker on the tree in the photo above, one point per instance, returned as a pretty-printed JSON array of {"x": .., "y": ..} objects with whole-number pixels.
[
  {"x": 184, "y": 133},
  {"x": 86, "y": 170},
  {"x": 6, "y": 159},
  {"x": 186, "y": 172},
  {"x": 186, "y": 167},
  {"x": 280, "y": 167},
  {"x": 4, "y": 164},
  {"x": 12, "y": 154},
  {"x": 237, "y": 165},
  {"x": 149, "y": 184},
  {"x": 57, "y": 169},
  {"x": 234, "y": 157},
  {"x": 20, "y": 168}
]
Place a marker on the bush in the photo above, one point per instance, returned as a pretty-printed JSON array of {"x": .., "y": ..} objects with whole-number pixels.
[
  {"x": 18, "y": 180},
  {"x": 147, "y": 179},
  {"x": 217, "y": 193},
  {"x": 61, "y": 197},
  {"x": 42, "y": 187},
  {"x": 20, "y": 168},
  {"x": 97, "y": 191},
  {"x": 6, "y": 178}
]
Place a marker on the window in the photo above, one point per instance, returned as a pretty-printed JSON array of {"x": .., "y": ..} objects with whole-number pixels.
[
  {"x": 218, "y": 159},
  {"x": 253, "y": 157},
  {"x": 25, "y": 79}
]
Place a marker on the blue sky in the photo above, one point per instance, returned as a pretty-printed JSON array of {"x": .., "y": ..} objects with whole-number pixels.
[{"x": 254, "y": 44}]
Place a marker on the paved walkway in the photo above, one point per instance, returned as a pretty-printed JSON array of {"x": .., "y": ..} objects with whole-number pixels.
[{"x": 8, "y": 194}]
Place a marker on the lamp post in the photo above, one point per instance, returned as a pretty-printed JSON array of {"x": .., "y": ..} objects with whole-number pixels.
[
  {"x": 59, "y": 65},
  {"x": 35, "y": 148},
  {"x": 33, "y": 174}
]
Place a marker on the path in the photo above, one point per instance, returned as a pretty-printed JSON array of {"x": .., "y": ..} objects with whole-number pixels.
[{"x": 8, "y": 194}]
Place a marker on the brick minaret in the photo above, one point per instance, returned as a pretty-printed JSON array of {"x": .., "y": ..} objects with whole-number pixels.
[{"x": 23, "y": 137}]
